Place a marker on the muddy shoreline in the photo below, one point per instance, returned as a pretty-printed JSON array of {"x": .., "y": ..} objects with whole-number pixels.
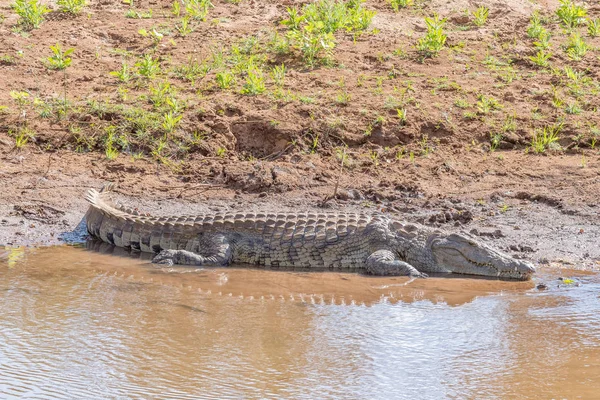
[{"x": 547, "y": 223}]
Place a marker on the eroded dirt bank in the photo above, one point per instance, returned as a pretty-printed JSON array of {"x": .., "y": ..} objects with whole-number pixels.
[{"x": 540, "y": 208}]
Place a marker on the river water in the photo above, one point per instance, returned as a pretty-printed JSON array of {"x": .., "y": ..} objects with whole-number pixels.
[{"x": 83, "y": 324}]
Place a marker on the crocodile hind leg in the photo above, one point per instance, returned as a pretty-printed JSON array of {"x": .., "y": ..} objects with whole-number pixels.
[
  {"x": 214, "y": 250},
  {"x": 384, "y": 262}
]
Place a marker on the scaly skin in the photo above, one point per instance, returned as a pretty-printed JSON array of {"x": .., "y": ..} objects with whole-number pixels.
[{"x": 374, "y": 243}]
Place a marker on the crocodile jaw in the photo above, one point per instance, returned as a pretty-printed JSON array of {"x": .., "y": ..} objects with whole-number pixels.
[{"x": 463, "y": 254}]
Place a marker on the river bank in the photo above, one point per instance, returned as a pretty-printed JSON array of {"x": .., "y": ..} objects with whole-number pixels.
[{"x": 542, "y": 209}]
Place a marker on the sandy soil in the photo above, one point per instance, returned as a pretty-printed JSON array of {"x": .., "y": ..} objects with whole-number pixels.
[{"x": 283, "y": 151}]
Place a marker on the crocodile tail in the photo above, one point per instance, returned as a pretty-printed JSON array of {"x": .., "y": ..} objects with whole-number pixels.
[{"x": 100, "y": 200}]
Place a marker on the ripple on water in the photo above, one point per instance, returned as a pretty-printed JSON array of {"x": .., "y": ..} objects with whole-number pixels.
[{"x": 77, "y": 324}]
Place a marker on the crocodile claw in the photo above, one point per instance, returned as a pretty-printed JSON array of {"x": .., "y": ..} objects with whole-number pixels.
[{"x": 165, "y": 257}]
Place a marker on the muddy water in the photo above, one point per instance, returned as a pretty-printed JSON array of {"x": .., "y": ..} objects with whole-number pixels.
[{"x": 80, "y": 324}]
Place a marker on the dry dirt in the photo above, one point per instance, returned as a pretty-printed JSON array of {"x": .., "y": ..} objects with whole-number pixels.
[{"x": 281, "y": 149}]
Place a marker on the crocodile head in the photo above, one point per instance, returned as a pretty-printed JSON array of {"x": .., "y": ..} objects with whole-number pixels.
[{"x": 463, "y": 254}]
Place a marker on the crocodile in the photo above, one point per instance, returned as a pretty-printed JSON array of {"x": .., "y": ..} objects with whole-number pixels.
[{"x": 374, "y": 243}]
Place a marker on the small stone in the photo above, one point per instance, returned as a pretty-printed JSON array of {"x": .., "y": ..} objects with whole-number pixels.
[{"x": 542, "y": 286}]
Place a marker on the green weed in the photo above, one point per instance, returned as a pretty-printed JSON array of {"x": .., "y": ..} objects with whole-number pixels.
[
  {"x": 148, "y": 67},
  {"x": 170, "y": 121},
  {"x": 573, "y": 109},
  {"x": 542, "y": 139},
  {"x": 255, "y": 83},
  {"x": 535, "y": 27},
  {"x": 225, "y": 79},
  {"x": 124, "y": 74},
  {"x": 131, "y": 13},
  {"x": 435, "y": 39},
  {"x": 541, "y": 58},
  {"x": 495, "y": 139},
  {"x": 487, "y": 104},
  {"x": 510, "y": 123},
  {"x": 71, "y": 6},
  {"x": 481, "y": 15},
  {"x": 594, "y": 27},
  {"x": 343, "y": 98},
  {"x": 185, "y": 26},
  {"x": 294, "y": 19},
  {"x": 22, "y": 136},
  {"x": 197, "y": 9},
  {"x": 159, "y": 94},
  {"x": 570, "y": 14},
  {"x": 398, "y": 4},
  {"x": 6, "y": 59},
  {"x": 543, "y": 41},
  {"x": 31, "y": 13},
  {"x": 278, "y": 74},
  {"x": 312, "y": 43},
  {"x": 60, "y": 59},
  {"x": 461, "y": 103},
  {"x": 401, "y": 114},
  {"x": 192, "y": 70},
  {"x": 155, "y": 35},
  {"x": 576, "y": 48}
]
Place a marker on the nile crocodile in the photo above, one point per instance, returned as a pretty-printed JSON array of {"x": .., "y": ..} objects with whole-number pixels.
[{"x": 375, "y": 243}]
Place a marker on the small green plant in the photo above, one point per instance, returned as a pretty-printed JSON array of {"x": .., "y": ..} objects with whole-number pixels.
[
  {"x": 570, "y": 14},
  {"x": 148, "y": 67},
  {"x": 461, "y": 103},
  {"x": 544, "y": 138},
  {"x": 485, "y": 104},
  {"x": 134, "y": 14},
  {"x": 60, "y": 59},
  {"x": 221, "y": 152},
  {"x": 401, "y": 114},
  {"x": 192, "y": 70},
  {"x": 594, "y": 27},
  {"x": 573, "y": 109},
  {"x": 22, "y": 99},
  {"x": 176, "y": 8},
  {"x": 543, "y": 39},
  {"x": 22, "y": 135},
  {"x": 495, "y": 139},
  {"x": 185, "y": 26},
  {"x": 541, "y": 58},
  {"x": 31, "y": 13},
  {"x": 576, "y": 48},
  {"x": 510, "y": 123},
  {"x": 197, "y": 9},
  {"x": 6, "y": 59},
  {"x": 225, "y": 79},
  {"x": 343, "y": 97},
  {"x": 481, "y": 15},
  {"x": 278, "y": 74},
  {"x": 170, "y": 121},
  {"x": 71, "y": 6},
  {"x": 312, "y": 43},
  {"x": 535, "y": 26},
  {"x": 398, "y": 4},
  {"x": 155, "y": 35},
  {"x": 294, "y": 19},
  {"x": 124, "y": 74},
  {"x": 435, "y": 39},
  {"x": 255, "y": 83}
]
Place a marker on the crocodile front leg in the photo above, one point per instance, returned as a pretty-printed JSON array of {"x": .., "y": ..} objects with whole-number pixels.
[
  {"x": 384, "y": 262},
  {"x": 213, "y": 250}
]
